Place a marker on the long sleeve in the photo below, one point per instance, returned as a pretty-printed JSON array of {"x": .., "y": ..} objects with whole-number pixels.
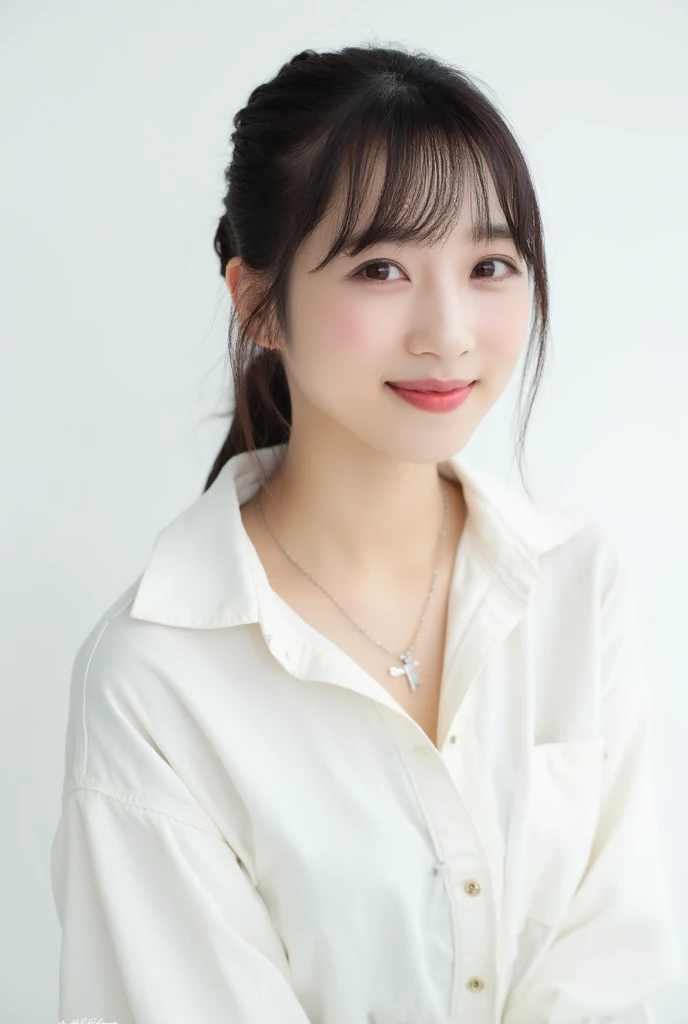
[
  {"x": 160, "y": 922},
  {"x": 617, "y": 944}
]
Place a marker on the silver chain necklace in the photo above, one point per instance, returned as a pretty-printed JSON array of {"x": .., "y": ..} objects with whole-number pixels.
[{"x": 408, "y": 666}]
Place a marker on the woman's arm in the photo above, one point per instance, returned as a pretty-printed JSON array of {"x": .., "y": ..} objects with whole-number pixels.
[
  {"x": 160, "y": 922},
  {"x": 617, "y": 944}
]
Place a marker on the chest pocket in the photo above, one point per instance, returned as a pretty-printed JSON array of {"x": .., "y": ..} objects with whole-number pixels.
[{"x": 561, "y": 818}]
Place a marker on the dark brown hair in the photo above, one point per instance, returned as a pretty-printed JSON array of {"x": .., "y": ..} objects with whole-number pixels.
[{"x": 321, "y": 120}]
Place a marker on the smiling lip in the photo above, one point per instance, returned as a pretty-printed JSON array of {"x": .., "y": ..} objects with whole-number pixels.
[
  {"x": 430, "y": 384},
  {"x": 433, "y": 401}
]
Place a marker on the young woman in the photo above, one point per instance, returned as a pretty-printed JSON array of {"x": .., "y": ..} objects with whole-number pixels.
[{"x": 369, "y": 741}]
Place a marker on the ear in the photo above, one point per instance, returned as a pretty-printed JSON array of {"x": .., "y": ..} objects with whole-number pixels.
[{"x": 244, "y": 286}]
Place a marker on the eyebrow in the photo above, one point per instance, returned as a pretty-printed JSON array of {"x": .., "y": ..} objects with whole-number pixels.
[{"x": 500, "y": 231}]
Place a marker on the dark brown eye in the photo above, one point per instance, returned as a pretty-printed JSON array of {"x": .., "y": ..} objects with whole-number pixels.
[
  {"x": 497, "y": 277},
  {"x": 379, "y": 268}
]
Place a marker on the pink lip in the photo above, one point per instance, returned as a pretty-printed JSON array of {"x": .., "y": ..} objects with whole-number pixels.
[
  {"x": 434, "y": 401},
  {"x": 430, "y": 384}
]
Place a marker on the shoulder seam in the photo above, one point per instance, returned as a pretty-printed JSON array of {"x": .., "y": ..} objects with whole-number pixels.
[
  {"x": 111, "y": 618},
  {"x": 130, "y": 800}
]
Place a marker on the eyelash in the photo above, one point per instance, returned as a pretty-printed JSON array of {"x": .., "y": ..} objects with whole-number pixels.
[{"x": 514, "y": 270}]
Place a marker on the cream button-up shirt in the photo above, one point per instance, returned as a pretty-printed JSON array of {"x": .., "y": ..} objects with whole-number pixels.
[{"x": 253, "y": 831}]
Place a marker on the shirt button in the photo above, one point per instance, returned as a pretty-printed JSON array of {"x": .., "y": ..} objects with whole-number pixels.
[
  {"x": 475, "y": 984},
  {"x": 422, "y": 751},
  {"x": 472, "y": 888},
  {"x": 452, "y": 738}
]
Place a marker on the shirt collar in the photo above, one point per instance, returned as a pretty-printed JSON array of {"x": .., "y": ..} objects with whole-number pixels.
[{"x": 204, "y": 571}]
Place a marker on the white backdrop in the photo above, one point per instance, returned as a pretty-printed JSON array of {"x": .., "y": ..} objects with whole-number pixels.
[{"x": 115, "y": 124}]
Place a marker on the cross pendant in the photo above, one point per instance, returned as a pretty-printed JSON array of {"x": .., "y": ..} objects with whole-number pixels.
[{"x": 409, "y": 668}]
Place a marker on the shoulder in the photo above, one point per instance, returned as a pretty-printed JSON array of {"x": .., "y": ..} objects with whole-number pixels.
[
  {"x": 115, "y": 648},
  {"x": 122, "y": 698},
  {"x": 591, "y": 559}
]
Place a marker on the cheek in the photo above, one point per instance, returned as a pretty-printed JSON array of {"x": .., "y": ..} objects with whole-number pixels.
[
  {"x": 346, "y": 330},
  {"x": 504, "y": 328},
  {"x": 339, "y": 340}
]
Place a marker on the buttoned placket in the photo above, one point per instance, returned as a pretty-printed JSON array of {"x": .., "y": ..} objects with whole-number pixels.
[
  {"x": 447, "y": 783},
  {"x": 464, "y": 865}
]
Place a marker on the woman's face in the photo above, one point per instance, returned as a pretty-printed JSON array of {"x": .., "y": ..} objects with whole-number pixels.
[{"x": 452, "y": 311}]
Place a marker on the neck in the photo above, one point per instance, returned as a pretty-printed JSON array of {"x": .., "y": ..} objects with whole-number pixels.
[{"x": 344, "y": 513}]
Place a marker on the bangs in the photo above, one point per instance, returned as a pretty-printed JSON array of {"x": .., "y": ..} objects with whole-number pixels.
[{"x": 428, "y": 167}]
